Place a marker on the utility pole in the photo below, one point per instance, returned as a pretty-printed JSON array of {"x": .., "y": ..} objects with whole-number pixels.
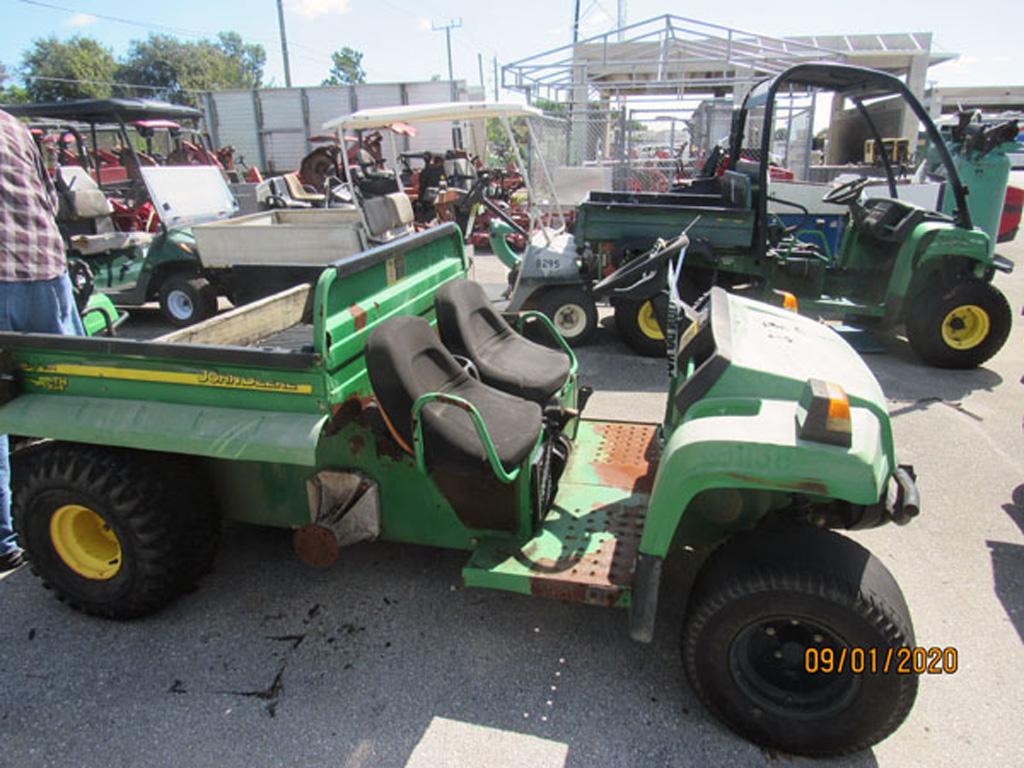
[
  {"x": 448, "y": 39},
  {"x": 576, "y": 23},
  {"x": 452, "y": 24},
  {"x": 284, "y": 45},
  {"x": 480, "y": 64},
  {"x": 620, "y": 16}
]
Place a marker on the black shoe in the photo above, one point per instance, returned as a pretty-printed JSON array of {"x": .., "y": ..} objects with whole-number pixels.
[{"x": 13, "y": 559}]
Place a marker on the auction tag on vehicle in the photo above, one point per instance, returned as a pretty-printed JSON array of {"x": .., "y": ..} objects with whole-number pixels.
[{"x": 395, "y": 267}]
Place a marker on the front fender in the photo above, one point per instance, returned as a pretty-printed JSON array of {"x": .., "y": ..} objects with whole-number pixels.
[
  {"x": 931, "y": 243},
  {"x": 752, "y": 463}
]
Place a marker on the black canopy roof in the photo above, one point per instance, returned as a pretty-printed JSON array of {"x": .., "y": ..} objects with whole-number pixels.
[{"x": 104, "y": 110}]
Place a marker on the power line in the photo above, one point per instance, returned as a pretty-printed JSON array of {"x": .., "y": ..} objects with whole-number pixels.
[
  {"x": 113, "y": 83},
  {"x": 182, "y": 31},
  {"x": 117, "y": 19}
]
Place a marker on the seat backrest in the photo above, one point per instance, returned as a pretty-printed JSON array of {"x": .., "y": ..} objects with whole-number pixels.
[
  {"x": 404, "y": 360},
  {"x": 75, "y": 177},
  {"x": 460, "y": 172},
  {"x": 431, "y": 176},
  {"x": 388, "y": 213},
  {"x": 736, "y": 189},
  {"x": 81, "y": 199},
  {"x": 298, "y": 192},
  {"x": 466, "y": 319}
]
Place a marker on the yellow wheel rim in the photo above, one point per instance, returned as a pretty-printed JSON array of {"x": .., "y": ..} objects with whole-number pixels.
[
  {"x": 84, "y": 541},
  {"x": 966, "y": 326},
  {"x": 648, "y": 322}
]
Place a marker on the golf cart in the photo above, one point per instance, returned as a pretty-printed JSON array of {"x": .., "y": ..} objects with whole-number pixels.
[
  {"x": 132, "y": 265},
  {"x": 447, "y": 187},
  {"x": 897, "y": 261},
  {"x": 392, "y": 402},
  {"x": 200, "y": 249}
]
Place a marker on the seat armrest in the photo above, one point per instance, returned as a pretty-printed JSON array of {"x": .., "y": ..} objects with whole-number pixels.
[
  {"x": 478, "y": 423},
  {"x": 521, "y": 317}
]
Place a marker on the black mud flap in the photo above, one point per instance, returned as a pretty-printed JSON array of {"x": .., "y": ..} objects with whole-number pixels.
[{"x": 642, "y": 612}]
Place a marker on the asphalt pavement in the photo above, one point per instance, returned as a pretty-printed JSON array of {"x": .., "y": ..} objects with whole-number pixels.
[{"x": 386, "y": 660}]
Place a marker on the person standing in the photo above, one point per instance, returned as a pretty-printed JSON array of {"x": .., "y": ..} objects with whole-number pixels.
[{"x": 35, "y": 290}]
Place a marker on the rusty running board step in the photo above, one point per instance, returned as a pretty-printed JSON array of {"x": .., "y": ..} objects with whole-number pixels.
[{"x": 586, "y": 549}]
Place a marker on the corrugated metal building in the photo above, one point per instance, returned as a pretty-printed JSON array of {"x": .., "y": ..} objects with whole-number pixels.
[{"x": 270, "y": 127}]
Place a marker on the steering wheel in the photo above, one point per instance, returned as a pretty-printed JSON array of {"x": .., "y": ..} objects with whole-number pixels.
[
  {"x": 636, "y": 267},
  {"x": 846, "y": 193}
]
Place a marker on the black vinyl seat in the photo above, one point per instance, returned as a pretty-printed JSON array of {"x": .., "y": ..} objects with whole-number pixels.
[
  {"x": 470, "y": 327},
  {"x": 405, "y": 360}
]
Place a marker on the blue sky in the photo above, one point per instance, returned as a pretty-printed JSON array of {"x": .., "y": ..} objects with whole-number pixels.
[{"x": 398, "y": 44}]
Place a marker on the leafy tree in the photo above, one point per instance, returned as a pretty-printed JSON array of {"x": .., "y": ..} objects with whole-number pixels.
[
  {"x": 251, "y": 58},
  {"x": 346, "y": 68},
  {"x": 181, "y": 68},
  {"x": 78, "y": 59},
  {"x": 10, "y": 92}
]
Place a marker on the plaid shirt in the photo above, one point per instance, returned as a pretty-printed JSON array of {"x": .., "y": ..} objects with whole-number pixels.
[{"x": 31, "y": 247}]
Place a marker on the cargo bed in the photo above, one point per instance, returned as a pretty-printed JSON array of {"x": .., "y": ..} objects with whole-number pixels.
[{"x": 258, "y": 382}]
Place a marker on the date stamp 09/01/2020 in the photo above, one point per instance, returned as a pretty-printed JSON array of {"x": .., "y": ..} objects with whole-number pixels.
[{"x": 905, "y": 660}]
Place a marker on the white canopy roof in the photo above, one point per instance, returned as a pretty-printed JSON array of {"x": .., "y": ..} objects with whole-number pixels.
[{"x": 382, "y": 117}]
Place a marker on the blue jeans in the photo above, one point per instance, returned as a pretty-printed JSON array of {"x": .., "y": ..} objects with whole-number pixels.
[{"x": 40, "y": 306}]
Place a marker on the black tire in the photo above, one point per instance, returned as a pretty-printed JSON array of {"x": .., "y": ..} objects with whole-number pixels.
[
  {"x": 572, "y": 310},
  {"x": 165, "y": 534},
  {"x": 934, "y": 321},
  {"x": 187, "y": 299},
  {"x": 641, "y": 326},
  {"x": 634, "y": 317},
  {"x": 741, "y": 615}
]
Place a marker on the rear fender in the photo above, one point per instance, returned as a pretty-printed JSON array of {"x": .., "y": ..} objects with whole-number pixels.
[
  {"x": 723, "y": 473},
  {"x": 496, "y": 236}
]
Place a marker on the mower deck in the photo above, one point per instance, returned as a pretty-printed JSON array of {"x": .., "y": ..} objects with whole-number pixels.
[{"x": 586, "y": 548}]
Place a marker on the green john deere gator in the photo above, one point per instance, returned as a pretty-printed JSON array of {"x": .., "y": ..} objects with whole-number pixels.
[{"x": 387, "y": 401}]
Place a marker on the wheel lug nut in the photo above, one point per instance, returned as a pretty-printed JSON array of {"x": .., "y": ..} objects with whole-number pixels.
[
  {"x": 777, "y": 654},
  {"x": 770, "y": 631},
  {"x": 818, "y": 638},
  {"x": 794, "y": 622}
]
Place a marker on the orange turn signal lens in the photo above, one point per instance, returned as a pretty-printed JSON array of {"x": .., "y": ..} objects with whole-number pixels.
[
  {"x": 823, "y": 414},
  {"x": 838, "y": 419}
]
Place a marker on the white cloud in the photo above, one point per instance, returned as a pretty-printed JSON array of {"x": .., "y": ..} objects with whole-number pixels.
[
  {"x": 81, "y": 20},
  {"x": 313, "y": 9}
]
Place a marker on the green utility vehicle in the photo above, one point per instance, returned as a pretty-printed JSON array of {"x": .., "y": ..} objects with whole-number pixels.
[
  {"x": 390, "y": 400},
  {"x": 98, "y": 313},
  {"x": 916, "y": 254},
  {"x": 168, "y": 233}
]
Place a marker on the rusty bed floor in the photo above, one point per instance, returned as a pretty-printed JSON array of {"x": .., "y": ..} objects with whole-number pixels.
[{"x": 587, "y": 546}]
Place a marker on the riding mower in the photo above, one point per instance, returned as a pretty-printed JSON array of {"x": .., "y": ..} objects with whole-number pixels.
[{"x": 898, "y": 263}]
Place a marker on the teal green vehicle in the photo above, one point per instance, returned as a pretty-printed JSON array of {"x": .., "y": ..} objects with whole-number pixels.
[
  {"x": 132, "y": 214},
  {"x": 389, "y": 400},
  {"x": 918, "y": 253},
  {"x": 106, "y": 211}
]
